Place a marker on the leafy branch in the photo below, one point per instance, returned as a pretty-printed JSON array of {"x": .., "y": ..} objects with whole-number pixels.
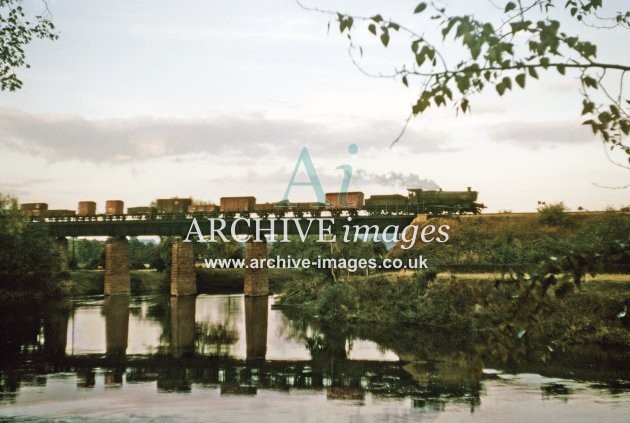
[
  {"x": 537, "y": 292},
  {"x": 16, "y": 32},
  {"x": 504, "y": 55}
]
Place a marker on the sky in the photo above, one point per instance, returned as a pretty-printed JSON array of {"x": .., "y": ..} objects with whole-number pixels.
[{"x": 139, "y": 100}]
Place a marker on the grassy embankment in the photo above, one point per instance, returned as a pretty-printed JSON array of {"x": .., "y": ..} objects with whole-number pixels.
[{"x": 473, "y": 308}]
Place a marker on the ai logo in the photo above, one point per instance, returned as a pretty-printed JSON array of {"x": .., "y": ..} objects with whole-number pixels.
[{"x": 305, "y": 160}]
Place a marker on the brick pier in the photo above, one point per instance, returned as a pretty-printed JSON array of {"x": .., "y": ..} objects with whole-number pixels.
[
  {"x": 183, "y": 280},
  {"x": 117, "y": 280},
  {"x": 256, "y": 280}
]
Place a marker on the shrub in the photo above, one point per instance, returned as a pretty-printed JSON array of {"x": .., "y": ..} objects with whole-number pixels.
[{"x": 554, "y": 214}]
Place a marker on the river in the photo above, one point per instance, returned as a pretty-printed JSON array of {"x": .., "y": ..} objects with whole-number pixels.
[{"x": 227, "y": 358}]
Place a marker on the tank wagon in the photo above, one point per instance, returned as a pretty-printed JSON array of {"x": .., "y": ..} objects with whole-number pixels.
[
  {"x": 114, "y": 207},
  {"x": 86, "y": 208}
]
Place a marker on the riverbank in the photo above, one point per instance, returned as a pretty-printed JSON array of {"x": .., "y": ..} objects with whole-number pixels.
[
  {"x": 209, "y": 281},
  {"x": 424, "y": 313}
]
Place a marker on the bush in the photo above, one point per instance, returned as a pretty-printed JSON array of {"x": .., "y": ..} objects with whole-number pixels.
[
  {"x": 336, "y": 302},
  {"x": 554, "y": 214}
]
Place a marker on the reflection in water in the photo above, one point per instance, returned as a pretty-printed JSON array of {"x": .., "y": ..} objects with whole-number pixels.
[
  {"x": 256, "y": 317},
  {"x": 55, "y": 329},
  {"x": 182, "y": 325},
  {"x": 116, "y": 312},
  {"x": 242, "y": 359}
]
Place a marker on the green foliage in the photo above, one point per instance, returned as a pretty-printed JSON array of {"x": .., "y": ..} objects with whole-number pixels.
[
  {"x": 520, "y": 44},
  {"x": 17, "y": 30},
  {"x": 89, "y": 254},
  {"x": 554, "y": 214},
  {"x": 220, "y": 249},
  {"x": 29, "y": 258},
  {"x": 142, "y": 254},
  {"x": 336, "y": 302},
  {"x": 506, "y": 243}
]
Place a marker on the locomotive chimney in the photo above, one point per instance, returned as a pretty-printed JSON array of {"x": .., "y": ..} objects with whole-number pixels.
[{"x": 468, "y": 189}]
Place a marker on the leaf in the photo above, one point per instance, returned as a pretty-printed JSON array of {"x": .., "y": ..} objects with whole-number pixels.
[
  {"x": 345, "y": 22},
  {"x": 385, "y": 38},
  {"x": 463, "y": 83},
  {"x": 614, "y": 110},
  {"x": 449, "y": 26},
  {"x": 420, "y": 8},
  {"x": 372, "y": 28},
  {"x": 589, "y": 81},
  {"x": 520, "y": 80},
  {"x": 414, "y": 46},
  {"x": 464, "y": 105},
  {"x": 604, "y": 117},
  {"x": 500, "y": 88},
  {"x": 420, "y": 57},
  {"x": 544, "y": 61},
  {"x": 520, "y": 26},
  {"x": 587, "y": 107},
  {"x": 404, "y": 81},
  {"x": 377, "y": 18},
  {"x": 509, "y": 7},
  {"x": 532, "y": 72}
]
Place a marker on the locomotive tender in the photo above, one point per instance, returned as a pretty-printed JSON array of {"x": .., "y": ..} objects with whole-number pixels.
[{"x": 418, "y": 201}]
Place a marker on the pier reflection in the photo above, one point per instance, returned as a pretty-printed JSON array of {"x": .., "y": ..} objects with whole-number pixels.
[
  {"x": 116, "y": 312},
  {"x": 256, "y": 319},
  {"x": 182, "y": 342}
]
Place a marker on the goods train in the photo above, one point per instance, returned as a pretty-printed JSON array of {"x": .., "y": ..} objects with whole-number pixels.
[{"x": 418, "y": 201}]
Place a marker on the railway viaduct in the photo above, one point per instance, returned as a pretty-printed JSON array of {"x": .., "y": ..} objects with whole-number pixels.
[{"x": 118, "y": 228}]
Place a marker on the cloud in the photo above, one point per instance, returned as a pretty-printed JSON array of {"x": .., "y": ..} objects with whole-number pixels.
[
  {"x": 409, "y": 180},
  {"x": 22, "y": 188},
  {"x": 67, "y": 137},
  {"x": 537, "y": 134}
]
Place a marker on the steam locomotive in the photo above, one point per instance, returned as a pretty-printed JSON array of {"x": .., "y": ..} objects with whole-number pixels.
[{"x": 418, "y": 201}]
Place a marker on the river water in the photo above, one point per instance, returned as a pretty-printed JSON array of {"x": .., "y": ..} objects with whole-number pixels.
[{"x": 228, "y": 358}]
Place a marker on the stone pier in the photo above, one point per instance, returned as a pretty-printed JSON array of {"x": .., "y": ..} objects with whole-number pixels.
[
  {"x": 182, "y": 326},
  {"x": 256, "y": 279},
  {"x": 117, "y": 280},
  {"x": 183, "y": 280},
  {"x": 256, "y": 316},
  {"x": 116, "y": 311}
]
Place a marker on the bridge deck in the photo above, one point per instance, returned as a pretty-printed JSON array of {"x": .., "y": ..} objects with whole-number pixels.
[{"x": 180, "y": 226}]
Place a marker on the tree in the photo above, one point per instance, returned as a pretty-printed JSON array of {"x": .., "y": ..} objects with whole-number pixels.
[
  {"x": 17, "y": 30},
  {"x": 29, "y": 258},
  {"x": 525, "y": 40}
]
